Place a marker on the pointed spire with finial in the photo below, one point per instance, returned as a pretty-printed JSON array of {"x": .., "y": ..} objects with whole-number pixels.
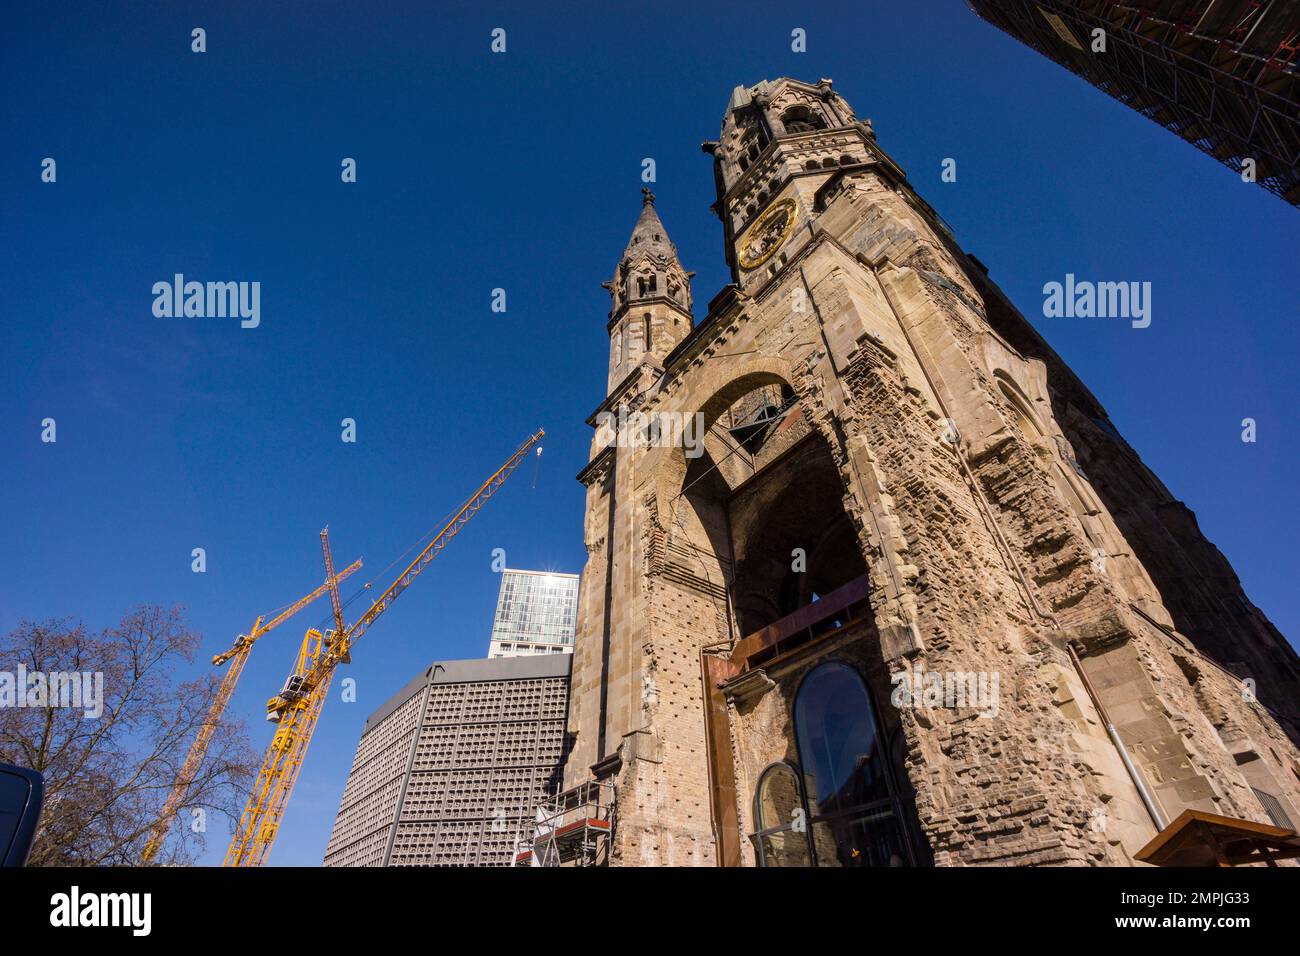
[
  {"x": 649, "y": 233},
  {"x": 649, "y": 252},
  {"x": 650, "y": 294}
]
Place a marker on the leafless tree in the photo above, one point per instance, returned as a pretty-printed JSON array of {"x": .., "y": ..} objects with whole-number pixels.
[{"x": 107, "y": 777}]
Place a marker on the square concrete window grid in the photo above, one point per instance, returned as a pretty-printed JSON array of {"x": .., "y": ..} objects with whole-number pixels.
[{"x": 451, "y": 774}]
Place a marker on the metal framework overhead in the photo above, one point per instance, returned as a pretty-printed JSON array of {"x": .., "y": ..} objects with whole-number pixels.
[{"x": 1221, "y": 74}]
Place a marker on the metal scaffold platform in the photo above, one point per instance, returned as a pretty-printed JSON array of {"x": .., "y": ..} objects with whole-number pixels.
[{"x": 573, "y": 828}]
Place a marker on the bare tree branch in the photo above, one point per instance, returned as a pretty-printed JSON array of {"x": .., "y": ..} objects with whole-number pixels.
[{"x": 107, "y": 777}]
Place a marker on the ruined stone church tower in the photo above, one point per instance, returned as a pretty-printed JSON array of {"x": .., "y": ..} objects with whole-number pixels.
[{"x": 902, "y": 489}]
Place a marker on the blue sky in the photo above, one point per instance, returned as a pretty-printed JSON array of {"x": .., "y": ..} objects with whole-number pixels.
[{"x": 519, "y": 171}]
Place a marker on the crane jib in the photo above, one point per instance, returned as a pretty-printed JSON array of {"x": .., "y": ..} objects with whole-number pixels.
[{"x": 261, "y": 819}]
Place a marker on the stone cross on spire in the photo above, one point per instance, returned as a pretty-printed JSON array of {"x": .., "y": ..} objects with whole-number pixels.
[{"x": 649, "y": 199}]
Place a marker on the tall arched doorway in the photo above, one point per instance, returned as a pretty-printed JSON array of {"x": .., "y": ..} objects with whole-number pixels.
[{"x": 763, "y": 509}]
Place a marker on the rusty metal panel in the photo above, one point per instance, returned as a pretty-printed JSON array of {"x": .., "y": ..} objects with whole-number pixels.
[
  {"x": 801, "y": 620},
  {"x": 722, "y": 769}
]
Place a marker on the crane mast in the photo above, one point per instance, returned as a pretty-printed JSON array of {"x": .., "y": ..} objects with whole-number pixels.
[
  {"x": 237, "y": 655},
  {"x": 296, "y": 709}
]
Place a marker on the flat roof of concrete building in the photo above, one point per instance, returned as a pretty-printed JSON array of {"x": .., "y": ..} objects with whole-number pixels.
[{"x": 530, "y": 667}]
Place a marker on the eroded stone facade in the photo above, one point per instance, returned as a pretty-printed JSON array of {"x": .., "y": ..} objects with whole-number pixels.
[{"x": 885, "y": 428}]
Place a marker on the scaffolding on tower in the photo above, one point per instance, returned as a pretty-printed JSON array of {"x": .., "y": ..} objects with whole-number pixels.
[{"x": 573, "y": 828}]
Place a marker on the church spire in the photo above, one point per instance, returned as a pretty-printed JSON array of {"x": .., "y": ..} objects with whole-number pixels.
[
  {"x": 650, "y": 295},
  {"x": 649, "y": 235}
]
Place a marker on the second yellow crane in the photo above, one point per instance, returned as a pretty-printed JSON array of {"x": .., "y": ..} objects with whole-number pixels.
[
  {"x": 237, "y": 655},
  {"x": 297, "y": 707}
]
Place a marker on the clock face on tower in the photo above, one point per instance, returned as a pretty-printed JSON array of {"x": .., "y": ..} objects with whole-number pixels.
[{"x": 768, "y": 235}]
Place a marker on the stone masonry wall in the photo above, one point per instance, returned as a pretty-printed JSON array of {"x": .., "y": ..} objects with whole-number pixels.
[{"x": 1001, "y": 523}]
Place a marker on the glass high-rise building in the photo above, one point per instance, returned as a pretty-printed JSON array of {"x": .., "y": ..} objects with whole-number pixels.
[{"x": 536, "y": 614}]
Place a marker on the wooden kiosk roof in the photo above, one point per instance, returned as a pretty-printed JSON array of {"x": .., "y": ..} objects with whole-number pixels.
[{"x": 1197, "y": 838}]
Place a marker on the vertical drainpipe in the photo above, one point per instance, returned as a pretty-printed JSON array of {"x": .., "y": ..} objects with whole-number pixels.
[{"x": 1147, "y": 800}]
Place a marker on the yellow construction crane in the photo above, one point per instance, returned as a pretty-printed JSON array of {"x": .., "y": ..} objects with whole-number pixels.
[
  {"x": 298, "y": 705},
  {"x": 238, "y": 656}
]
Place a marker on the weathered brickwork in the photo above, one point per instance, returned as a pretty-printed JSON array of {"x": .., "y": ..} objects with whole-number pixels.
[{"x": 880, "y": 417}]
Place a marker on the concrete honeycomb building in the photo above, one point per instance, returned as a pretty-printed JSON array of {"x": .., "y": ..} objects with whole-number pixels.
[
  {"x": 900, "y": 484},
  {"x": 449, "y": 771}
]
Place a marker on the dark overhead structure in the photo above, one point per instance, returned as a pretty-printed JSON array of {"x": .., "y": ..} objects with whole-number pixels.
[{"x": 1219, "y": 73}]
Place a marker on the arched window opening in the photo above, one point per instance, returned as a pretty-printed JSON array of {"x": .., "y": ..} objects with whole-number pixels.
[
  {"x": 780, "y": 819},
  {"x": 855, "y": 815},
  {"x": 801, "y": 119},
  {"x": 648, "y": 343},
  {"x": 1072, "y": 478},
  {"x": 790, "y": 533},
  {"x": 762, "y": 511},
  {"x": 1026, "y": 417},
  {"x": 838, "y": 742}
]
